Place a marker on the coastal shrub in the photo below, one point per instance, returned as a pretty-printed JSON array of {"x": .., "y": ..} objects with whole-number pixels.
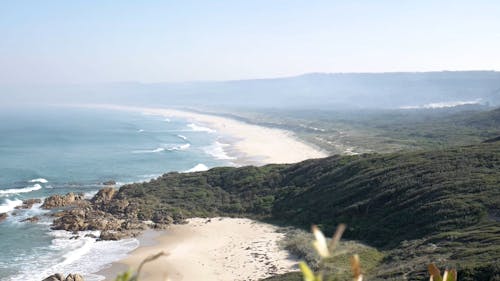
[{"x": 414, "y": 207}]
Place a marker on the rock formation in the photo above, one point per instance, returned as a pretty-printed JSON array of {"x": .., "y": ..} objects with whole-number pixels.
[
  {"x": 60, "y": 277},
  {"x": 28, "y": 203},
  {"x": 32, "y": 219},
  {"x": 59, "y": 201}
]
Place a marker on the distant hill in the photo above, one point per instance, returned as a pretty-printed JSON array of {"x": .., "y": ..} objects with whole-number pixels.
[
  {"x": 439, "y": 206},
  {"x": 315, "y": 90}
]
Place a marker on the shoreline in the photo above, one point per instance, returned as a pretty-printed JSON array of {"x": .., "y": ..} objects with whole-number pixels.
[
  {"x": 247, "y": 144},
  {"x": 216, "y": 249}
]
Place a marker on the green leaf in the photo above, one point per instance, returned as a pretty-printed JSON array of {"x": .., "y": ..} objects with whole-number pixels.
[{"x": 306, "y": 272}]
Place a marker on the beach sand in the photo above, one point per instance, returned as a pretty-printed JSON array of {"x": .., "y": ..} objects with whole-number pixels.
[
  {"x": 250, "y": 144},
  {"x": 221, "y": 249}
]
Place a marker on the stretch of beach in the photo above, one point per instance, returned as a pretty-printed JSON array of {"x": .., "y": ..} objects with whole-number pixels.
[
  {"x": 249, "y": 144},
  {"x": 221, "y": 248},
  {"x": 217, "y": 249}
]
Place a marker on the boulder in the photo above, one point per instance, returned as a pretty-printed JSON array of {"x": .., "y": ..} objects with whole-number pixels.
[
  {"x": 28, "y": 203},
  {"x": 104, "y": 195},
  {"x": 32, "y": 219},
  {"x": 60, "y": 277},
  {"x": 59, "y": 201},
  {"x": 111, "y": 235},
  {"x": 111, "y": 182},
  {"x": 72, "y": 220},
  {"x": 74, "y": 277},
  {"x": 3, "y": 216}
]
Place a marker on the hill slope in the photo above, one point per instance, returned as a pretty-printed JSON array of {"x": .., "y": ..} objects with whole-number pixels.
[{"x": 441, "y": 206}]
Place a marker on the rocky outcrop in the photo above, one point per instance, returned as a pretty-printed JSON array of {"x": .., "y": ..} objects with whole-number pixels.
[
  {"x": 60, "y": 277},
  {"x": 81, "y": 219},
  {"x": 114, "y": 216},
  {"x": 74, "y": 277},
  {"x": 104, "y": 196},
  {"x": 60, "y": 201},
  {"x": 112, "y": 235},
  {"x": 34, "y": 219},
  {"x": 110, "y": 182},
  {"x": 28, "y": 203},
  {"x": 3, "y": 216}
]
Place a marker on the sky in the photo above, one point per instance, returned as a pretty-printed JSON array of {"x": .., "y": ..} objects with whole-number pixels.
[{"x": 88, "y": 41}]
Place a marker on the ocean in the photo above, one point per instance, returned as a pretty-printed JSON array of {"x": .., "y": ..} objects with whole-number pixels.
[{"x": 55, "y": 150}]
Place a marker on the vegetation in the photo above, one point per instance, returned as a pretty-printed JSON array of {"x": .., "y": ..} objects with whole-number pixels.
[
  {"x": 340, "y": 131},
  {"x": 438, "y": 205}
]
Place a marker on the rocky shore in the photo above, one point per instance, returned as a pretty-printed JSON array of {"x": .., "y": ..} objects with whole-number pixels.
[{"x": 114, "y": 217}]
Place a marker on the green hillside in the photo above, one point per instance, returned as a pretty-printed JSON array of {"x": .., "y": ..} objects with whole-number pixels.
[{"x": 439, "y": 206}]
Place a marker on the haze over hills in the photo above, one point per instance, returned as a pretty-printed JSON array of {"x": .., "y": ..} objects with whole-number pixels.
[{"x": 315, "y": 90}]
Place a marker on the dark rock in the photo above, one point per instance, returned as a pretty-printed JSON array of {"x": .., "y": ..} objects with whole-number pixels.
[
  {"x": 3, "y": 216},
  {"x": 59, "y": 201},
  {"x": 60, "y": 277},
  {"x": 111, "y": 235},
  {"x": 111, "y": 182},
  {"x": 27, "y": 204},
  {"x": 90, "y": 235},
  {"x": 104, "y": 195},
  {"x": 74, "y": 277},
  {"x": 34, "y": 219}
]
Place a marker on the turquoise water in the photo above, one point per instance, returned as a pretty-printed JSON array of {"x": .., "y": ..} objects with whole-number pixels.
[{"x": 55, "y": 150}]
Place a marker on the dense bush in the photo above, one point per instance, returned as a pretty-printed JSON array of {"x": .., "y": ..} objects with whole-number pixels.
[{"x": 417, "y": 207}]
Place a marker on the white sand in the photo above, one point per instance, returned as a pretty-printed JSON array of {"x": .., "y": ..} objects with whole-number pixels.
[
  {"x": 219, "y": 249},
  {"x": 252, "y": 144}
]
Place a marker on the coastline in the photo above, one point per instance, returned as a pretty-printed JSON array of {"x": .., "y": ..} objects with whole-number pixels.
[
  {"x": 248, "y": 144},
  {"x": 216, "y": 249},
  {"x": 220, "y": 248}
]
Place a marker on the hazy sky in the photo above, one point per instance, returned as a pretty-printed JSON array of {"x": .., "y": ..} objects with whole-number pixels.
[{"x": 150, "y": 41}]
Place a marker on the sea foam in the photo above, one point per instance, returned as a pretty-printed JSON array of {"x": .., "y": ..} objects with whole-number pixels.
[
  {"x": 10, "y": 205},
  {"x": 179, "y": 147},
  {"x": 39, "y": 180},
  {"x": 156, "y": 150},
  {"x": 78, "y": 255},
  {"x": 198, "y": 168},
  {"x": 197, "y": 128},
  {"x": 20, "y": 190},
  {"x": 217, "y": 151}
]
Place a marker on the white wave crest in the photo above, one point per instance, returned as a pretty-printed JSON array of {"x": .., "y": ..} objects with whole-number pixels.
[
  {"x": 182, "y": 137},
  {"x": 217, "y": 151},
  {"x": 179, "y": 147},
  {"x": 77, "y": 254},
  {"x": 197, "y": 128},
  {"x": 198, "y": 168},
  {"x": 10, "y": 205},
  {"x": 21, "y": 190},
  {"x": 156, "y": 150},
  {"x": 40, "y": 180},
  {"x": 442, "y": 104}
]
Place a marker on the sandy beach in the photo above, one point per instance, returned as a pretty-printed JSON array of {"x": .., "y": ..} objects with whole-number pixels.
[
  {"x": 222, "y": 249},
  {"x": 249, "y": 144}
]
